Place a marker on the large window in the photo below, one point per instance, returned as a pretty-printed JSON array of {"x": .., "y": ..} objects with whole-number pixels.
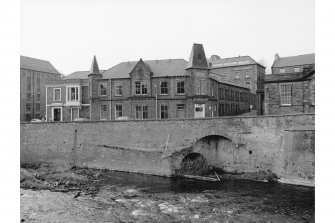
[
  {"x": 282, "y": 70},
  {"x": 118, "y": 111},
  {"x": 201, "y": 87},
  {"x": 164, "y": 87},
  {"x": 72, "y": 93},
  {"x": 180, "y": 87},
  {"x": 103, "y": 89},
  {"x": 141, "y": 88},
  {"x": 57, "y": 94},
  {"x": 296, "y": 69},
  {"x": 285, "y": 94},
  {"x": 141, "y": 111},
  {"x": 118, "y": 89},
  {"x": 164, "y": 111}
]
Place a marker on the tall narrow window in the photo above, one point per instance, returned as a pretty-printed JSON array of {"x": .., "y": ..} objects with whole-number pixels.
[
  {"x": 285, "y": 94},
  {"x": 144, "y": 88},
  {"x": 28, "y": 107},
  {"x": 38, "y": 97},
  {"x": 38, "y": 82},
  {"x": 103, "y": 89},
  {"x": 29, "y": 82},
  {"x": 57, "y": 94},
  {"x": 164, "y": 88},
  {"x": 197, "y": 85},
  {"x": 203, "y": 84},
  {"x": 180, "y": 87},
  {"x": 28, "y": 97},
  {"x": 137, "y": 87},
  {"x": 164, "y": 111},
  {"x": 37, "y": 107},
  {"x": 138, "y": 109},
  {"x": 103, "y": 112},
  {"x": 145, "y": 111},
  {"x": 118, "y": 89},
  {"x": 118, "y": 111}
]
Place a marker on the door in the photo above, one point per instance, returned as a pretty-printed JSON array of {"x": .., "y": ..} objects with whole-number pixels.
[
  {"x": 199, "y": 110},
  {"x": 56, "y": 114},
  {"x": 74, "y": 113}
]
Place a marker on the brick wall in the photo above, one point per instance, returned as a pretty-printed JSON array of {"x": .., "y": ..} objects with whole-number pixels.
[{"x": 283, "y": 145}]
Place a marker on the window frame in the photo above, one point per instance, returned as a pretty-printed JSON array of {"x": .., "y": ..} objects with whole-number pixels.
[
  {"x": 103, "y": 119},
  {"x": 54, "y": 94},
  {"x": 178, "y": 82},
  {"x": 282, "y": 70},
  {"x": 76, "y": 93},
  {"x": 72, "y": 112},
  {"x": 141, "y": 89},
  {"x": 281, "y": 94},
  {"x": 294, "y": 69},
  {"x": 116, "y": 85},
  {"x": 167, "y": 111},
  {"x": 101, "y": 89},
  {"x": 116, "y": 112},
  {"x": 166, "y": 88}
]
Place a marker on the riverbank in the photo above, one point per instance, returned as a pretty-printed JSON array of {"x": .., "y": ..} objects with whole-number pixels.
[{"x": 69, "y": 194}]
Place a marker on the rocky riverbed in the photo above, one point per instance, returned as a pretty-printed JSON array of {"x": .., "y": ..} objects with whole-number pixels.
[{"x": 52, "y": 193}]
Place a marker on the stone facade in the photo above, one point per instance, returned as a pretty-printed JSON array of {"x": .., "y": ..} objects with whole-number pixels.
[
  {"x": 149, "y": 90},
  {"x": 34, "y": 75},
  {"x": 290, "y": 93}
]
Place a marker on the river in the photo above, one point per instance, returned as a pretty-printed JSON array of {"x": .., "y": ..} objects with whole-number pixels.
[{"x": 128, "y": 197}]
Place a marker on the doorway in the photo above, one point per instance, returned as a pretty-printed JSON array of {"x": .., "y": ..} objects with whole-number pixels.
[{"x": 56, "y": 114}]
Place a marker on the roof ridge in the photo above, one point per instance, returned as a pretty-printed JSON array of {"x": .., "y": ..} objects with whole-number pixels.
[{"x": 298, "y": 55}]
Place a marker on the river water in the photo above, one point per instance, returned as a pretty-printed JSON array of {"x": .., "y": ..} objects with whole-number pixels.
[{"x": 127, "y": 197}]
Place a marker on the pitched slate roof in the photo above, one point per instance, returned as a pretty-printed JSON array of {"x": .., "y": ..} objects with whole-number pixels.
[
  {"x": 222, "y": 79},
  {"x": 233, "y": 61},
  {"x": 295, "y": 60},
  {"x": 197, "y": 57},
  {"x": 168, "y": 67},
  {"x": 30, "y": 63},
  {"x": 79, "y": 75}
]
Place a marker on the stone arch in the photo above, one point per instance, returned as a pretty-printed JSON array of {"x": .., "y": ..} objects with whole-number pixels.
[{"x": 216, "y": 149}]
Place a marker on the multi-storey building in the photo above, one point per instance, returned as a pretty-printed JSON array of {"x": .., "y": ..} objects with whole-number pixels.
[
  {"x": 292, "y": 64},
  {"x": 34, "y": 73},
  {"x": 172, "y": 88},
  {"x": 291, "y": 86},
  {"x": 243, "y": 70}
]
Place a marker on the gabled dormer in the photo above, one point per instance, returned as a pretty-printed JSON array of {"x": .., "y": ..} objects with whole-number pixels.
[{"x": 140, "y": 77}]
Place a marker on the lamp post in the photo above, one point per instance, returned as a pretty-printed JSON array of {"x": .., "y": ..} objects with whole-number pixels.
[{"x": 156, "y": 100}]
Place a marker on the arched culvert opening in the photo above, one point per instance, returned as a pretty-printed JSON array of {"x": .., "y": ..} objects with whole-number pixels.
[{"x": 193, "y": 164}]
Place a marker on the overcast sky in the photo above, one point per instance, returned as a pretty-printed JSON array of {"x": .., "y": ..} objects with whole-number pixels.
[{"x": 69, "y": 32}]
